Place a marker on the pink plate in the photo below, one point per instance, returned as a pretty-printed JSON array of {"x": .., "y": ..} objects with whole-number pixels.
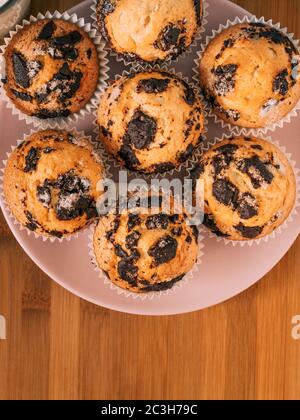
[{"x": 225, "y": 271}]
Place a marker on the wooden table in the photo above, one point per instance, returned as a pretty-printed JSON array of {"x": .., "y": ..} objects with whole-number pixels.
[{"x": 60, "y": 347}]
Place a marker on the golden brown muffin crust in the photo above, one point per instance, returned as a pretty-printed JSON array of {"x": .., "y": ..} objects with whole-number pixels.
[
  {"x": 145, "y": 253},
  {"x": 51, "y": 69},
  {"x": 50, "y": 183},
  {"x": 151, "y": 122},
  {"x": 149, "y": 30},
  {"x": 249, "y": 188},
  {"x": 250, "y": 74}
]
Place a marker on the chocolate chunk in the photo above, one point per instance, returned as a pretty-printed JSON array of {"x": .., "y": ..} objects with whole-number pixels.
[
  {"x": 73, "y": 201},
  {"x": 72, "y": 205},
  {"x": 44, "y": 114},
  {"x": 210, "y": 223},
  {"x": 70, "y": 183},
  {"x": 67, "y": 53},
  {"x": 120, "y": 252},
  {"x": 256, "y": 170},
  {"x": 56, "y": 234},
  {"x": 225, "y": 192},
  {"x": 105, "y": 132},
  {"x": 159, "y": 287},
  {"x": 187, "y": 154},
  {"x": 249, "y": 232},
  {"x": 21, "y": 95},
  {"x": 47, "y": 31},
  {"x": 141, "y": 130},
  {"x": 157, "y": 221},
  {"x": 190, "y": 96},
  {"x": 246, "y": 206},
  {"x": 195, "y": 232},
  {"x": 168, "y": 38},
  {"x": 223, "y": 157},
  {"x": 32, "y": 223},
  {"x": 225, "y": 79},
  {"x": 177, "y": 231},
  {"x": 132, "y": 240},
  {"x": 110, "y": 234},
  {"x": 71, "y": 38},
  {"x": 153, "y": 85},
  {"x": 189, "y": 239},
  {"x": 31, "y": 160},
  {"x": 89, "y": 53},
  {"x": 20, "y": 70},
  {"x": 228, "y": 43},
  {"x": 72, "y": 87},
  {"x": 164, "y": 167},
  {"x": 174, "y": 218},
  {"x": 198, "y": 171},
  {"x": 164, "y": 250},
  {"x": 44, "y": 195},
  {"x": 107, "y": 7},
  {"x": 127, "y": 154},
  {"x": 198, "y": 8},
  {"x": 128, "y": 272},
  {"x": 280, "y": 84},
  {"x": 133, "y": 221},
  {"x": 256, "y": 147}
]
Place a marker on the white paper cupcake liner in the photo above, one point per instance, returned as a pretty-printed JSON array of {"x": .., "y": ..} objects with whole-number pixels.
[
  {"x": 192, "y": 275},
  {"x": 235, "y": 128},
  {"x": 61, "y": 123},
  {"x": 98, "y": 152},
  {"x": 122, "y": 59},
  {"x": 115, "y": 164},
  {"x": 294, "y": 211}
]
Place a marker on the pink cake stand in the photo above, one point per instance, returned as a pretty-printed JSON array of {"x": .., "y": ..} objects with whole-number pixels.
[{"x": 226, "y": 270}]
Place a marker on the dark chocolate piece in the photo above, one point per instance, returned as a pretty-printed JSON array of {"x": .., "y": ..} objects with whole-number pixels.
[
  {"x": 31, "y": 160},
  {"x": 164, "y": 250},
  {"x": 153, "y": 85},
  {"x": 141, "y": 130},
  {"x": 47, "y": 31},
  {"x": 157, "y": 221},
  {"x": 20, "y": 69},
  {"x": 249, "y": 232}
]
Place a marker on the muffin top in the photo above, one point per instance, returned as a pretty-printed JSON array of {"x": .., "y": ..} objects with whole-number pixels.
[
  {"x": 250, "y": 75},
  {"x": 51, "y": 69},
  {"x": 150, "y": 121},
  {"x": 145, "y": 251},
  {"x": 50, "y": 183},
  {"x": 149, "y": 30},
  {"x": 249, "y": 188}
]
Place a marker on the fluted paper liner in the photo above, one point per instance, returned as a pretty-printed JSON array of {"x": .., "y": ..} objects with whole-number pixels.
[
  {"x": 122, "y": 59},
  {"x": 114, "y": 163},
  {"x": 235, "y": 128},
  {"x": 191, "y": 275},
  {"x": 293, "y": 213},
  {"x": 79, "y": 135},
  {"x": 60, "y": 123}
]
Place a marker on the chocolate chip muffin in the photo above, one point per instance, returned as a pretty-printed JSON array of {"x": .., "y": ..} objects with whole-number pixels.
[
  {"x": 50, "y": 183},
  {"x": 145, "y": 251},
  {"x": 52, "y": 69},
  {"x": 251, "y": 75},
  {"x": 249, "y": 188},
  {"x": 149, "y": 30},
  {"x": 151, "y": 122}
]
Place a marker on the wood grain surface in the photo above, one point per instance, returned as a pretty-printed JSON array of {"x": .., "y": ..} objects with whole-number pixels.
[{"x": 60, "y": 347}]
